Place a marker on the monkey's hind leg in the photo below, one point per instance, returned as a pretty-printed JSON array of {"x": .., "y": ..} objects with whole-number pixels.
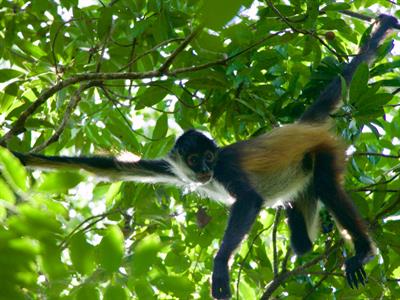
[
  {"x": 303, "y": 220},
  {"x": 331, "y": 193}
]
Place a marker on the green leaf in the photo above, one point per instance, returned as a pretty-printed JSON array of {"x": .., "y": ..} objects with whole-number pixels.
[
  {"x": 87, "y": 292},
  {"x": 216, "y": 14},
  {"x": 385, "y": 68},
  {"x": 359, "y": 83},
  {"x": 6, "y": 193},
  {"x": 7, "y": 74},
  {"x": 337, "y": 6},
  {"x": 51, "y": 261},
  {"x": 246, "y": 291},
  {"x": 31, "y": 49},
  {"x": 111, "y": 249},
  {"x": 179, "y": 286},
  {"x": 205, "y": 83},
  {"x": 13, "y": 170},
  {"x": 143, "y": 289},
  {"x": 145, "y": 254},
  {"x": 120, "y": 129},
  {"x": 81, "y": 253},
  {"x": 104, "y": 22},
  {"x": 39, "y": 220},
  {"x": 116, "y": 292},
  {"x": 60, "y": 182},
  {"x": 161, "y": 128},
  {"x": 151, "y": 96},
  {"x": 312, "y": 14}
]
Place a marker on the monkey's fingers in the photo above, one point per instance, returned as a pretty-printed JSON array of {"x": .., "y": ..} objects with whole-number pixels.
[{"x": 360, "y": 276}]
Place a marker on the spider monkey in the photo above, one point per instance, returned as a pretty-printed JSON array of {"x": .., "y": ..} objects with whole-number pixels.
[{"x": 298, "y": 164}]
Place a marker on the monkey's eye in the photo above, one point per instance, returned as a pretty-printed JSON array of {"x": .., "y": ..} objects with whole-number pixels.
[
  {"x": 209, "y": 156},
  {"x": 192, "y": 159}
]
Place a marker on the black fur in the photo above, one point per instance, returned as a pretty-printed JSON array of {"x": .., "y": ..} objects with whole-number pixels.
[
  {"x": 299, "y": 239},
  {"x": 330, "y": 192},
  {"x": 160, "y": 167}
]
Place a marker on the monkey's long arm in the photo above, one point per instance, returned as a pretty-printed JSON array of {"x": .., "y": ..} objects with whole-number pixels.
[
  {"x": 328, "y": 100},
  {"x": 152, "y": 171}
]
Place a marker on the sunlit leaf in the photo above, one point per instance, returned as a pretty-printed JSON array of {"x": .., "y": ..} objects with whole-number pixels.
[
  {"x": 116, "y": 292},
  {"x": 13, "y": 170},
  {"x": 87, "y": 292},
  {"x": 82, "y": 253},
  {"x": 111, "y": 249},
  {"x": 7, "y": 74},
  {"x": 215, "y": 14},
  {"x": 161, "y": 128},
  {"x": 60, "y": 182},
  {"x": 144, "y": 254}
]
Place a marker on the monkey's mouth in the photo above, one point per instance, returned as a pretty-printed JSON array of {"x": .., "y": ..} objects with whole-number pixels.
[{"x": 204, "y": 177}]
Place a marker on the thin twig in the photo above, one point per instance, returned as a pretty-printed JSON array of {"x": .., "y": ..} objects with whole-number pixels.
[
  {"x": 67, "y": 114},
  {"x": 286, "y": 259},
  {"x": 103, "y": 48},
  {"x": 163, "y": 43},
  {"x": 368, "y": 187},
  {"x": 375, "y": 190},
  {"x": 246, "y": 257},
  {"x": 375, "y": 154},
  {"x": 131, "y": 56},
  {"x": 283, "y": 276},
  {"x": 388, "y": 209},
  {"x": 226, "y": 59},
  {"x": 316, "y": 286},
  {"x": 165, "y": 66},
  {"x": 115, "y": 102},
  {"x": 66, "y": 239},
  {"x": 302, "y": 31}
]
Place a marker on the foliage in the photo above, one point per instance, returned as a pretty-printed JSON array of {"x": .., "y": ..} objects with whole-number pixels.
[{"x": 129, "y": 75}]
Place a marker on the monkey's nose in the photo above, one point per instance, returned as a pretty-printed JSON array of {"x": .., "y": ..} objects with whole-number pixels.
[{"x": 204, "y": 177}]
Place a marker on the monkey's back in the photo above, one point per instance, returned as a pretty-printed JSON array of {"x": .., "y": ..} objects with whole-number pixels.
[{"x": 286, "y": 146}]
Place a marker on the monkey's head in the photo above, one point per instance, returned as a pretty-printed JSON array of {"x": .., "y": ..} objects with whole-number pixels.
[{"x": 198, "y": 153}]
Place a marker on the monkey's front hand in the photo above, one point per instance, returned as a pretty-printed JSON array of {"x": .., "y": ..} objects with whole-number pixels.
[
  {"x": 355, "y": 271},
  {"x": 220, "y": 281}
]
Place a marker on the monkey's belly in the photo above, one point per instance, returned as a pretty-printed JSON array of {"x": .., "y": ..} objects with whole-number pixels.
[{"x": 282, "y": 186}]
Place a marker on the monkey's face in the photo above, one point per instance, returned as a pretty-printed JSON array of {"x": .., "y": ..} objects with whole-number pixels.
[
  {"x": 198, "y": 153},
  {"x": 202, "y": 164}
]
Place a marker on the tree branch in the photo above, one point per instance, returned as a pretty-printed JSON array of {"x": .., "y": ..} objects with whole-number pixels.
[
  {"x": 356, "y": 15},
  {"x": 19, "y": 125}
]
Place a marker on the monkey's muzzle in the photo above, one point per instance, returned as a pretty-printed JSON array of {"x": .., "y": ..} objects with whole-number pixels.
[{"x": 204, "y": 177}]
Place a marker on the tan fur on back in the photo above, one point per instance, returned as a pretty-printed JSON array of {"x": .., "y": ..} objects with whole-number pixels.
[{"x": 286, "y": 146}]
